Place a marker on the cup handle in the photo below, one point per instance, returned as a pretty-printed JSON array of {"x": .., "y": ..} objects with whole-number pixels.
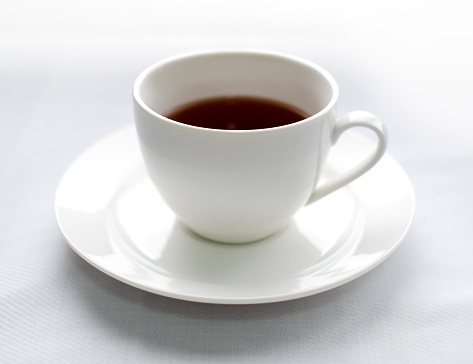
[{"x": 352, "y": 120}]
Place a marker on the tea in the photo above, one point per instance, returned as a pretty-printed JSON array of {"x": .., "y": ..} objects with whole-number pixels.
[{"x": 237, "y": 113}]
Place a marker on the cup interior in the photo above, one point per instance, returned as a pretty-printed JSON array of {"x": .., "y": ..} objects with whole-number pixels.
[{"x": 177, "y": 81}]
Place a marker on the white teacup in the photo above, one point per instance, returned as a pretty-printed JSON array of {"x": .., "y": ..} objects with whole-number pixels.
[{"x": 239, "y": 186}]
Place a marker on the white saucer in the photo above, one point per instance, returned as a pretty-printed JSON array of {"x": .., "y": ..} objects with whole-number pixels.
[{"x": 112, "y": 217}]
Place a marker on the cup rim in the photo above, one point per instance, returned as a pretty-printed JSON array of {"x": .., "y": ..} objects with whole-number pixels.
[{"x": 148, "y": 70}]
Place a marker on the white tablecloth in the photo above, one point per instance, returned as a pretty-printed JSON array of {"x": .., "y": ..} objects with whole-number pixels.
[{"x": 66, "y": 72}]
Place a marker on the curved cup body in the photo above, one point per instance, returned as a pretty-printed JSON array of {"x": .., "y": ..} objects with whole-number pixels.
[{"x": 229, "y": 185}]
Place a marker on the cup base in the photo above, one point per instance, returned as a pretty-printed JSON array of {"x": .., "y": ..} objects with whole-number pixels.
[{"x": 233, "y": 240}]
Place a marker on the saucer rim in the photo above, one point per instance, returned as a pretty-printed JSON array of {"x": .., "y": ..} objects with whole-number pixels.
[{"x": 236, "y": 300}]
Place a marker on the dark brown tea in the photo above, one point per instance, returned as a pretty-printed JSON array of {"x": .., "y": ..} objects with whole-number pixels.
[{"x": 237, "y": 113}]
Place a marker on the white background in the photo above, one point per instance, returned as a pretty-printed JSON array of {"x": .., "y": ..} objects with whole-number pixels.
[{"x": 66, "y": 72}]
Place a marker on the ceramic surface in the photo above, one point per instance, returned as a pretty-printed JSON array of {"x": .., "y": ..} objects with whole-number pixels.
[
  {"x": 243, "y": 185},
  {"x": 112, "y": 216}
]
